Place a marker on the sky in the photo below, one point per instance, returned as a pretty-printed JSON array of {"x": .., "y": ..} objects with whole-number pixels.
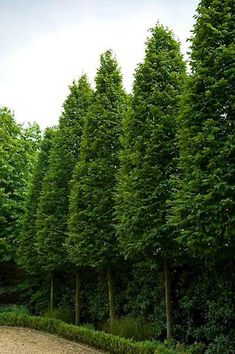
[{"x": 46, "y": 44}]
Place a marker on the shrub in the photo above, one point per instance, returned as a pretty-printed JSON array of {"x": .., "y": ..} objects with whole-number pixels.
[
  {"x": 18, "y": 310},
  {"x": 221, "y": 345},
  {"x": 172, "y": 347}
]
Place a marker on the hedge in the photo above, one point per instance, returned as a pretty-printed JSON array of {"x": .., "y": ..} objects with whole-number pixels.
[{"x": 97, "y": 339}]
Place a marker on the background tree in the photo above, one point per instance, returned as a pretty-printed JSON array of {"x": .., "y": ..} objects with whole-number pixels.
[
  {"x": 32, "y": 135},
  {"x": 18, "y": 146},
  {"x": 149, "y": 153},
  {"x": 203, "y": 206},
  {"x": 91, "y": 241},
  {"x": 54, "y": 200}
]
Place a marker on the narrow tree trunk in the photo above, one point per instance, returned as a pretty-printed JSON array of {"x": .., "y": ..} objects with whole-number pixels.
[
  {"x": 111, "y": 294},
  {"x": 169, "y": 319},
  {"x": 52, "y": 292},
  {"x": 77, "y": 298}
]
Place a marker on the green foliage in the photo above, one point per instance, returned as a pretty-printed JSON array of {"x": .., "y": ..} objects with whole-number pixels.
[
  {"x": 53, "y": 207},
  {"x": 172, "y": 347},
  {"x": 16, "y": 310},
  {"x": 91, "y": 240},
  {"x": 203, "y": 205},
  {"x": 33, "y": 291},
  {"x": 5, "y": 246},
  {"x": 221, "y": 345},
  {"x": 63, "y": 314},
  {"x": 94, "y": 297},
  {"x": 75, "y": 184},
  {"x": 27, "y": 253},
  {"x": 17, "y": 150},
  {"x": 149, "y": 147},
  {"x": 99, "y": 340},
  {"x": 32, "y": 136},
  {"x": 130, "y": 328},
  {"x": 139, "y": 294},
  {"x": 204, "y": 299},
  {"x": 162, "y": 349}
]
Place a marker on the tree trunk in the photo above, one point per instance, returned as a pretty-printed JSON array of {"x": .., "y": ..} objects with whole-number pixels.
[
  {"x": 111, "y": 294},
  {"x": 51, "y": 306},
  {"x": 78, "y": 298},
  {"x": 169, "y": 319}
]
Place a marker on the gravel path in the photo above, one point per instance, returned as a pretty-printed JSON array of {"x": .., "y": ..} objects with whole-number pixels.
[{"x": 14, "y": 340}]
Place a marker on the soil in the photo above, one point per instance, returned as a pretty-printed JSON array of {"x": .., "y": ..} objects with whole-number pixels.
[{"x": 14, "y": 340}]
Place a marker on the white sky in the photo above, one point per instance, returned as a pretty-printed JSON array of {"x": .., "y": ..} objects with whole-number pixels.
[{"x": 45, "y": 44}]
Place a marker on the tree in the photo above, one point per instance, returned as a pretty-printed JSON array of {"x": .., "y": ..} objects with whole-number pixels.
[
  {"x": 16, "y": 154},
  {"x": 203, "y": 204},
  {"x": 148, "y": 154},
  {"x": 54, "y": 201},
  {"x": 91, "y": 241},
  {"x": 27, "y": 254}
]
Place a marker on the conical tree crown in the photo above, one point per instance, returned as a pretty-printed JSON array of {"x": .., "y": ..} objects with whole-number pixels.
[
  {"x": 26, "y": 252},
  {"x": 149, "y": 146},
  {"x": 103, "y": 123},
  {"x": 108, "y": 79},
  {"x": 71, "y": 125},
  {"x": 204, "y": 205},
  {"x": 91, "y": 239},
  {"x": 54, "y": 201}
]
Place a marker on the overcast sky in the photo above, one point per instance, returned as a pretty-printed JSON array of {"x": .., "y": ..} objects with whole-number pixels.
[{"x": 45, "y": 44}]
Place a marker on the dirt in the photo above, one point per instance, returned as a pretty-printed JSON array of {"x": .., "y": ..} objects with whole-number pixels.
[{"x": 14, "y": 340}]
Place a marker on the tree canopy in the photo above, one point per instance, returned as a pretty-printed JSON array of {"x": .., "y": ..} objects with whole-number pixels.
[
  {"x": 149, "y": 149},
  {"x": 54, "y": 200},
  {"x": 91, "y": 240},
  {"x": 27, "y": 253},
  {"x": 203, "y": 208},
  {"x": 18, "y": 147}
]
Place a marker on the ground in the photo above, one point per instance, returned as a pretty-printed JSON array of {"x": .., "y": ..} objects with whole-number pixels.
[{"x": 14, "y": 340}]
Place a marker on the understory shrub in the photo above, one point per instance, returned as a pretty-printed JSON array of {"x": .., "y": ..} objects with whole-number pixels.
[
  {"x": 204, "y": 308},
  {"x": 16, "y": 309},
  {"x": 221, "y": 345}
]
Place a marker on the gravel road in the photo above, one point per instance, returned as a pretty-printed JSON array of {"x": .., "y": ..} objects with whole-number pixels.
[{"x": 14, "y": 340}]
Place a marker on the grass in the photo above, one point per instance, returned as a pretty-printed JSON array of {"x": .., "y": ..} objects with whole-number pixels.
[
  {"x": 64, "y": 314},
  {"x": 130, "y": 328}
]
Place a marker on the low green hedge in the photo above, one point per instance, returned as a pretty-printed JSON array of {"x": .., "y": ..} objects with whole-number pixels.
[{"x": 97, "y": 339}]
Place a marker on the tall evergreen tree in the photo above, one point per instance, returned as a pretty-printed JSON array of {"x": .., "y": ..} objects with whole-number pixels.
[
  {"x": 203, "y": 206},
  {"x": 54, "y": 200},
  {"x": 149, "y": 153},
  {"x": 91, "y": 239},
  {"x": 27, "y": 253}
]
